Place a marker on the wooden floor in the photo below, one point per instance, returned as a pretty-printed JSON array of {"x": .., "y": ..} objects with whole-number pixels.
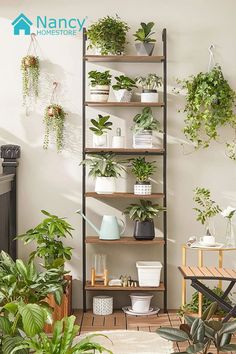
[{"x": 118, "y": 320}]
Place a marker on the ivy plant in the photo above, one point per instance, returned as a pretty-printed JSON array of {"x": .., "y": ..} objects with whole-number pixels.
[
  {"x": 108, "y": 35},
  {"x": 124, "y": 82},
  {"x": 100, "y": 125},
  {"x": 99, "y": 78},
  {"x": 104, "y": 165},
  {"x": 144, "y": 33},
  {"x": 145, "y": 211},
  {"x": 30, "y": 78}
]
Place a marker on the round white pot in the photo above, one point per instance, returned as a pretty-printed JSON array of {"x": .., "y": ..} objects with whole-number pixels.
[
  {"x": 100, "y": 140},
  {"x": 105, "y": 185},
  {"x": 99, "y": 93},
  {"x": 143, "y": 188},
  {"x": 149, "y": 97},
  {"x": 141, "y": 302},
  {"x": 123, "y": 95},
  {"x": 143, "y": 139}
]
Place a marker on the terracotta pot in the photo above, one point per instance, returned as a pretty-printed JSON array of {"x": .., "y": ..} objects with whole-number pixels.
[
  {"x": 53, "y": 111},
  {"x": 30, "y": 61}
]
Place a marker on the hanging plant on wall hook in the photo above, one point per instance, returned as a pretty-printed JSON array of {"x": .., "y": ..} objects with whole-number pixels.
[
  {"x": 54, "y": 118},
  {"x": 30, "y": 69}
]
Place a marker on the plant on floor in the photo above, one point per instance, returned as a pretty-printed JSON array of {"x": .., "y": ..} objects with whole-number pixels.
[
  {"x": 49, "y": 236},
  {"x": 30, "y": 77},
  {"x": 202, "y": 332},
  {"x": 99, "y": 78},
  {"x": 145, "y": 121},
  {"x": 151, "y": 82},
  {"x": 210, "y": 105},
  {"x": 108, "y": 35},
  {"x": 206, "y": 207},
  {"x": 124, "y": 83},
  {"x": 144, "y": 33},
  {"x": 100, "y": 125},
  {"x": 62, "y": 341},
  {"x": 104, "y": 165},
  {"x": 54, "y": 119}
]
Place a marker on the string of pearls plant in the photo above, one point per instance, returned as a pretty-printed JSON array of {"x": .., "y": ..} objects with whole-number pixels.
[
  {"x": 30, "y": 78},
  {"x": 54, "y": 118}
]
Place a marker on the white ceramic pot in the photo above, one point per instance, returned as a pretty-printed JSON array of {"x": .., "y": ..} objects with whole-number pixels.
[
  {"x": 102, "y": 305},
  {"x": 99, "y": 93},
  {"x": 123, "y": 95},
  {"x": 105, "y": 185},
  {"x": 100, "y": 140},
  {"x": 143, "y": 189},
  {"x": 149, "y": 97},
  {"x": 143, "y": 139},
  {"x": 141, "y": 302},
  {"x": 118, "y": 142}
]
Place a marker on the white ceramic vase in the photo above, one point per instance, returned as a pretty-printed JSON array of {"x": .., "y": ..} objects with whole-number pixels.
[
  {"x": 99, "y": 93},
  {"x": 149, "y": 97},
  {"x": 105, "y": 185},
  {"x": 100, "y": 140},
  {"x": 123, "y": 95}
]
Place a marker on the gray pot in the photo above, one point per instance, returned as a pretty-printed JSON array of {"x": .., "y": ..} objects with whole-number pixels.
[{"x": 144, "y": 48}]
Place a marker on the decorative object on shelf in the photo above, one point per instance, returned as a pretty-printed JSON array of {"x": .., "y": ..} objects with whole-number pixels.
[
  {"x": 115, "y": 282},
  {"x": 128, "y": 310},
  {"x": 206, "y": 209},
  {"x": 149, "y": 273},
  {"x": 99, "y": 128},
  {"x": 99, "y": 270},
  {"x": 123, "y": 88},
  {"x": 118, "y": 141},
  {"x": 99, "y": 85},
  {"x": 54, "y": 119},
  {"x": 142, "y": 170},
  {"x": 102, "y": 305},
  {"x": 144, "y": 125},
  {"x": 105, "y": 168},
  {"x": 110, "y": 228},
  {"x": 143, "y": 36},
  {"x": 30, "y": 69},
  {"x": 150, "y": 84},
  {"x": 140, "y": 302},
  {"x": 143, "y": 215},
  {"x": 228, "y": 214},
  {"x": 108, "y": 35}
]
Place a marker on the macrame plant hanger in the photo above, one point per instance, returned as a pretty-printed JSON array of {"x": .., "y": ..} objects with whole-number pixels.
[
  {"x": 212, "y": 61},
  {"x": 54, "y": 97},
  {"x": 32, "y": 50}
]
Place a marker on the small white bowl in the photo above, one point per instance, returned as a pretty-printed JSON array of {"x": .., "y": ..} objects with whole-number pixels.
[{"x": 141, "y": 302}]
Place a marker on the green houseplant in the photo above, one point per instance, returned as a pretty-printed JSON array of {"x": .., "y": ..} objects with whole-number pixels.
[
  {"x": 105, "y": 168},
  {"x": 30, "y": 78},
  {"x": 144, "y": 36},
  {"x": 123, "y": 88},
  {"x": 99, "y": 85},
  {"x": 99, "y": 128},
  {"x": 209, "y": 106},
  {"x": 143, "y": 215},
  {"x": 142, "y": 170},
  {"x": 108, "y": 35},
  {"x": 54, "y": 119},
  {"x": 144, "y": 125},
  {"x": 150, "y": 84}
]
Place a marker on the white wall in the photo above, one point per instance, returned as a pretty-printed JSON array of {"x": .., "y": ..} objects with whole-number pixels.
[{"x": 52, "y": 181}]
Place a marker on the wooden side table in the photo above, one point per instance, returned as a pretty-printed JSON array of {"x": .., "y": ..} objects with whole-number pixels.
[{"x": 200, "y": 252}]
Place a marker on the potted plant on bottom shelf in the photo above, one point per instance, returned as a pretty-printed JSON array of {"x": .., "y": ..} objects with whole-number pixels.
[
  {"x": 105, "y": 168},
  {"x": 54, "y": 119},
  {"x": 123, "y": 88},
  {"x": 99, "y": 128},
  {"x": 143, "y": 36},
  {"x": 144, "y": 125},
  {"x": 99, "y": 85},
  {"x": 143, "y": 215},
  {"x": 142, "y": 170},
  {"x": 149, "y": 84}
]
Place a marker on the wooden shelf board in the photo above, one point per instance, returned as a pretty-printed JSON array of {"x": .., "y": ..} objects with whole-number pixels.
[
  {"x": 124, "y": 195},
  {"x": 123, "y": 288},
  {"x": 123, "y": 104},
  {"x": 124, "y": 240},
  {"x": 125, "y": 151},
  {"x": 125, "y": 58}
]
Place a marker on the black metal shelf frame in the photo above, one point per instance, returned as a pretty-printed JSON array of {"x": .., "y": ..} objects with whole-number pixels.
[{"x": 163, "y": 154}]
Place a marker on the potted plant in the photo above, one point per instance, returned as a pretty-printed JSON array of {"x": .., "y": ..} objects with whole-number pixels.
[
  {"x": 54, "y": 118},
  {"x": 99, "y": 129},
  {"x": 142, "y": 170},
  {"x": 105, "y": 169},
  {"x": 143, "y": 215},
  {"x": 144, "y": 125},
  {"x": 108, "y": 35},
  {"x": 150, "y": 84},
  {"x": 123, "y": 88},
  {"x": 206, "y": 209},
  {"x": 99, "y": 85},
  {"x": 30, "y": 77},
  {"x": 143, "y": 36}
]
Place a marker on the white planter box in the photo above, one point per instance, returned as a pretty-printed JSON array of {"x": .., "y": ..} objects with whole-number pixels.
[
  {"x": 149, "y": 273},
  {"x": 143, "y": 139},
  {"x": 149, "y": 97}
]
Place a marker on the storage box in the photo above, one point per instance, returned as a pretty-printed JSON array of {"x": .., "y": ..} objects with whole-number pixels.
[{"x": 149, "y": 273}]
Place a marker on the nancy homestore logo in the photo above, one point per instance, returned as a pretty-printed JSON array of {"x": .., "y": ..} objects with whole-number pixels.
[{"x": 48, "y": 26}]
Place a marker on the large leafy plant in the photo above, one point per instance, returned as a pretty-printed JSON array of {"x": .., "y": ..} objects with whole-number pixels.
[
  {"x": 104, "y": 165},
  {"x": 142, "y": 169},
  {"x": 144, "y": 33},
  {"x": 124, "y": 82},
  {"x": 210, "y": 105},
  {"x": 49, "y": 236},
  {"x": 100, "y": 125},
  {"x": 108, "y": 34},
  {"x": 145, "y": 211},
  {"x": 149, "y": 82},
  {"x": 99, "y": 78},
  {"x": 145, "y": 121}
]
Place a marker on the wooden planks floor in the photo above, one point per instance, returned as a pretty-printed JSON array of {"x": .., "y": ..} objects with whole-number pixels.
[{"x": 118, "y": 320}]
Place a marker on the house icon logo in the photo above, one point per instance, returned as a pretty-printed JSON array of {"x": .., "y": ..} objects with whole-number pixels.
[{"x": 22, "y": 25}]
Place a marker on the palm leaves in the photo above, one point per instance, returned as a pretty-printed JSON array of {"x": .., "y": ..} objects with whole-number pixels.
[
  {"x": 104, "y": 165},
  {"x": 144, "y": 211}
]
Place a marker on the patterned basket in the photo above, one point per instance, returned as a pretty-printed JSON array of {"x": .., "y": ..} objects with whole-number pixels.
[
  {"x": 102, "y": 305},
  {"x": 142, "y": 189}
]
